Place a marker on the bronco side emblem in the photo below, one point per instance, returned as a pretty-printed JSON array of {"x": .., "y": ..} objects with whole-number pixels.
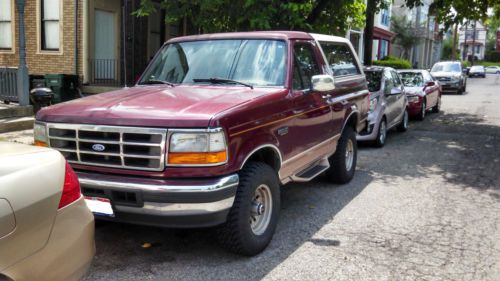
[{"x": 98, "y": 147}]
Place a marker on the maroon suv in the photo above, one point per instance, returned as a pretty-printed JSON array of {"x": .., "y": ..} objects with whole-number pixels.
[{"x": 216, "y": 124}]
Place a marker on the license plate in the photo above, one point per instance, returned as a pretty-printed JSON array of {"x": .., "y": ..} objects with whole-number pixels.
[{"x": 99, "y": 206}]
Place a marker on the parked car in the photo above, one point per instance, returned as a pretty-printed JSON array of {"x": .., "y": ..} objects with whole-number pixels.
[
  {"x": 46, "y": 229},
  {"x": 477, "y": 71},
  {"x": 216, "y": 124},
  {"x": 423, "y": 91},
  {"x": 388, "y": 105},
  {"x": 493, "y": 69},
  {"x": 451, "y": 76}
]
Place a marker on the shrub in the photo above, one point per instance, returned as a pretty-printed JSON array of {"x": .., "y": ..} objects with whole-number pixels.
[
  {"x": 394, "y": 63},
  {"x": 494, "y": 56}
]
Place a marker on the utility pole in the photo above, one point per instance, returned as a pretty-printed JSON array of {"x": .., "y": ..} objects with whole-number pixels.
[
  {"x": 454, "y": 45},
  {"x": 22, "y": 71}
]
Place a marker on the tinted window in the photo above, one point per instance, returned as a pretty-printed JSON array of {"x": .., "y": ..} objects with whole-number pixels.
[
  {"x": 374, "y": 79},
  {"x": 305, "y": 66},
  {"x": 446, "y": 67},
  {"x": 257, "y": 62},
  {"x": 412, "y": 79},
  {"x": 340, "y": 59},
  {"x": 427, "y": 76}
]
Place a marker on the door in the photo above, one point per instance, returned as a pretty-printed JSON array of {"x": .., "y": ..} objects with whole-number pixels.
[
  {"x": 313, "y": 119},
  {"x": 105, "y": 63},
  {"x": 399, "y": 93},
  {"x": 390, "y": 99},
  {"x": 431, "y": 92}
]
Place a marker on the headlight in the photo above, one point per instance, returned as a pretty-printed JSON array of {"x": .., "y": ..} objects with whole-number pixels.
[
  {"x": 197, "y": 148},
  {"x": 40, "y": 134},
  {"x": 373, "y": 103},
  {"x": 456, "y": 77}
]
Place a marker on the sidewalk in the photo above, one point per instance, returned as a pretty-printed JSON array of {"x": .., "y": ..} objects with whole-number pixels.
[{"x": 25, "y": 136}]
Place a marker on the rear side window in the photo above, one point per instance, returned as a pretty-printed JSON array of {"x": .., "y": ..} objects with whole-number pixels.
[
  {"x": 395, "y": 78},
  {"x": 340, "y": 59},
  {"x": 305, "y": 66}
]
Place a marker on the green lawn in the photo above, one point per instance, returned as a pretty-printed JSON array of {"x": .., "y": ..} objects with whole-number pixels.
[{"x": 488, "y": 63}]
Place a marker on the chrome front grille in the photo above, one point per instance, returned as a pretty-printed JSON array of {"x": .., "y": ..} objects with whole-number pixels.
[
  {"x": 110, "y": 146},
  {"x": 444, "y": 78}
]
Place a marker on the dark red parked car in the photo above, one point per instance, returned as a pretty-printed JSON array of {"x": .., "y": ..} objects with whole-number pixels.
[
  {"x": 213, "y": 129},
  {"x": 423, "y": 91}
]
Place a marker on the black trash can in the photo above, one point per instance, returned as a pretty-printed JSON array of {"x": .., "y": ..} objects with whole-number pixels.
[
  {"x": 63, "y": 86},
  {"x": 40, "y": 97}
]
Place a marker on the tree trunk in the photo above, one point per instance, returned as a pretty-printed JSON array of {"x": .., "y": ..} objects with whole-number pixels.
[
  {"x": 454, "y": 45},
  {"x": 368, "y": 40}
]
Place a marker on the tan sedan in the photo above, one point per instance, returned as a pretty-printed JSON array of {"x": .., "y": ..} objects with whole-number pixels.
[{"x": 46, "y": 229}]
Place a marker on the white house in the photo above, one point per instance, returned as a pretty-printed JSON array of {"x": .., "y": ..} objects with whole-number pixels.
[{"x": 472, "y": 40}]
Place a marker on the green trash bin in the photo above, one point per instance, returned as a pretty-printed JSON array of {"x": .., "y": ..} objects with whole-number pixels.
[{"x": 64, "y": 86}]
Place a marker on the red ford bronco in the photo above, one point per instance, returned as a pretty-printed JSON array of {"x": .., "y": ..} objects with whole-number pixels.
[{"x": 214, "y": 127}]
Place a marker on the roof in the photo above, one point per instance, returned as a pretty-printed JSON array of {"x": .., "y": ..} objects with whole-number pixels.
[
  {"x": 374, "y": 68},
  {"x": 323, "y": 37},
  {"x": 411, "y": 70},
  {"x": 277, "y": 35}
]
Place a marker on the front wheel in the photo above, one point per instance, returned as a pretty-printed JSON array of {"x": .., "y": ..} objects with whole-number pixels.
[
  {"x": 343, "y": 161},
  {"x": 437, "y": 107},
  {"x": 403, "y": 126},
  {"x": 253, "y": 218},
  {"x": 381, "y": 134},
  {"x": 423, "y": 110}
]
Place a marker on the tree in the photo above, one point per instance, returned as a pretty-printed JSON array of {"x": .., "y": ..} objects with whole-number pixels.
[
  {"x": 406, "y": 35},
  {"x": 206, "y": 16}
]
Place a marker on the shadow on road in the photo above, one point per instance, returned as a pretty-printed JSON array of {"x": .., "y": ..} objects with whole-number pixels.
[
  {"x": 462, "y": 148},
  {"x": 194, "y": 255}
]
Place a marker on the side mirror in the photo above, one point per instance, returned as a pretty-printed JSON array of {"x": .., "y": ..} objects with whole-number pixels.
[
  {"x": 430, "y": 84},
  {"x": 322, "y": 83}
]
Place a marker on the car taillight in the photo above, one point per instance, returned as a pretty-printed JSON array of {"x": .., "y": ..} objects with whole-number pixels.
[{"x": 71, "y": 190}]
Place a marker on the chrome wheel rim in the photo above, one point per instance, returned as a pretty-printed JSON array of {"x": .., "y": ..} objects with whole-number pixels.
[
  {"x": 349, "y": 155},
  {"x": 383, "y": 132},
  {"x": 261, "y": 209}
]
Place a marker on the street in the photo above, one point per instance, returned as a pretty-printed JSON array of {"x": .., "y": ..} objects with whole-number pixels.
[{"x": 425, "y": 207}]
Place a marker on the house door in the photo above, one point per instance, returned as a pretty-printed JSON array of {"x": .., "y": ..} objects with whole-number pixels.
[{"x": 105, "y": 63}]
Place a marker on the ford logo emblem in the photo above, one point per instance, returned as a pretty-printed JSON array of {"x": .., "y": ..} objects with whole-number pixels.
[{"x": 98, "y": 147}]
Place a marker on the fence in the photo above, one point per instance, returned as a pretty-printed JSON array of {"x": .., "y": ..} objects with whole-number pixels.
[
  {"x": 104, "y": 72},
  {"x": 8, "y": 84}
]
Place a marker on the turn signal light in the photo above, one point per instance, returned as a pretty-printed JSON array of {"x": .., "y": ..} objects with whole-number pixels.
[
  {"x": 71, "y": 189},
  {"x": 41, "y": 143},
  {"x": 197, "y": 158}
]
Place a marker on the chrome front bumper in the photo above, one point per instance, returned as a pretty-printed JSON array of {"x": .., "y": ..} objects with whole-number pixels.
[{"x": 159, "y": 202}]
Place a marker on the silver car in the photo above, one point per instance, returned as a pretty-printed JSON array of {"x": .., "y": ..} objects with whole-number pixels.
[{"x": 388, "y": 105}]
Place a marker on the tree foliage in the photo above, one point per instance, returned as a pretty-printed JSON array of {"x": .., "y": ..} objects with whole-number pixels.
[
  {"x": 324, "y": 16},
  {"x": 451, "y": 12},
  {"x": 406, "y": 34}
]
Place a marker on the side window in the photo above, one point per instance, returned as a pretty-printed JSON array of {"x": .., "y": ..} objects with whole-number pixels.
[
  {"x": 395, "y": 78},
  {"x": 427, "y": 76},
  {"x": 340, "y": 59},
  {"x": 388, "y": 82},
  {"x": 305, "y": 66}
]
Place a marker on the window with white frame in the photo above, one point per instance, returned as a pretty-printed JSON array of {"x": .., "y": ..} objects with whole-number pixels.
[
  {"x": 50, "y": 15},
  {"x": 5, "y": 24}
]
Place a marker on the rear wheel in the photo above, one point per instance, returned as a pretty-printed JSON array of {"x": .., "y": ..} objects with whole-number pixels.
[
  {"x": 437, "y": 107},
  {"x": 253, "y": 218},
  {"x": 423, "y": 110},
  {"x": 343, "y": 162}
]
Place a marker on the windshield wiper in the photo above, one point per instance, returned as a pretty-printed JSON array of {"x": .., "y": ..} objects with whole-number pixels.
[
  {"x": 222, "y": 81},
  {"x": 155, "y": 81}
]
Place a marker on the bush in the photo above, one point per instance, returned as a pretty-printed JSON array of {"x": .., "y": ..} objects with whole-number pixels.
[
  {"x": 393, "y": 62},
  {"x": 494, "y": 56}
]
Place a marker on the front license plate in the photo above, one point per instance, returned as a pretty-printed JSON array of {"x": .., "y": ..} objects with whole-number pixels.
[{"x": 99, "y": 206}]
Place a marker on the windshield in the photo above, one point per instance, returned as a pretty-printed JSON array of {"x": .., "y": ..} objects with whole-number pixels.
[
  {"x": 412, "y": 79},
  {"x": 374, "y": 79},
  {"x": 446, "y": 67},
  {"x": 255, "y": 62}
]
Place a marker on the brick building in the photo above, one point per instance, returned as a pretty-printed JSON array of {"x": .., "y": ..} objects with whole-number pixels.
[{"x": 99, "y": 40}]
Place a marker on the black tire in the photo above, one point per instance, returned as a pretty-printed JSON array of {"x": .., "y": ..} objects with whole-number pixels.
[
  {"x": 338, "y": 171},
  {"x": 236, "y": 235},
  {"x": 464, "y": 88},
  {"x": 437, "y": 107},
  {"x": 403, "y": 126},
  {"x": 423, "y": 110},
  {"x": 381, "y": 134}
]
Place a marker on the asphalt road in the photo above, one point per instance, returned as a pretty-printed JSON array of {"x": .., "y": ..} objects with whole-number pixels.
[{"x": 425, "y": 207}]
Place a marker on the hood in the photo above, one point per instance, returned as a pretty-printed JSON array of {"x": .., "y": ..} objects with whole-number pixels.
[
  {"x": 153, "y": 106},
  {"x": 412, "y": 91}
]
